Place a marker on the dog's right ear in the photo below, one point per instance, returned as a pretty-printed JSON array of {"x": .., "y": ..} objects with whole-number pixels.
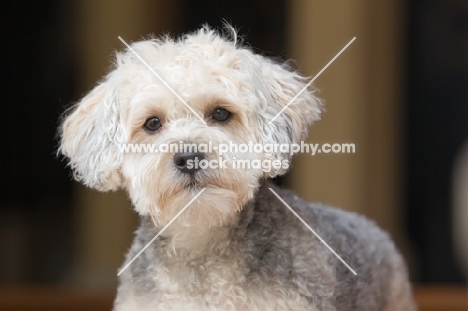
[{"x": 89, "y": 138}]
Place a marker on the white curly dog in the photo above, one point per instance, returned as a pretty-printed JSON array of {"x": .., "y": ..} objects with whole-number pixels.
[{"x": 236, "y": 246}]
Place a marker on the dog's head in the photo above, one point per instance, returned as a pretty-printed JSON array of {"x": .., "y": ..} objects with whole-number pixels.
[{"x": 234, "y": 91}]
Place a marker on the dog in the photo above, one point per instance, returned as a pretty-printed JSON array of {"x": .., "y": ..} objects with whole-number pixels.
[{"x": 229, "y": 242}]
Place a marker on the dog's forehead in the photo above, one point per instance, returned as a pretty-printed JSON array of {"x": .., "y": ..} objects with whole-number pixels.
[{"x": 193, "y": 70}]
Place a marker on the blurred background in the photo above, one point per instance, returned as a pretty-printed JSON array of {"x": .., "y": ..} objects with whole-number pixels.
[{"x": 399, "y": 92}]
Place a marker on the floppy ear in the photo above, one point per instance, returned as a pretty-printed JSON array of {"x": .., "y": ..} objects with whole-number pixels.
[
  {"x": 280, "y": 87},
  {"x": 90, "y": 135}
]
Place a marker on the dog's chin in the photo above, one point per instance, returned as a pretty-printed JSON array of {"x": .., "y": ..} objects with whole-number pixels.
[
  {"x": 208, "y": 209},
  {"x": 213, "y": 197}
]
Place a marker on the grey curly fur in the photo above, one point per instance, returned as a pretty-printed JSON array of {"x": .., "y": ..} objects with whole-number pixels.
[{"x": 275, "y": 249}]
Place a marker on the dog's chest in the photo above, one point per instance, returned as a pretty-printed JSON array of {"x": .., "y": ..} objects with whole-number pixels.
[{"x": 217, "y": 284}]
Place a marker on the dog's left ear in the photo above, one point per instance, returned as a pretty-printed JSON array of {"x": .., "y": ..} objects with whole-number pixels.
[
  {"x": 90, "y": 135},
  {"x": 287, "y": 106}
]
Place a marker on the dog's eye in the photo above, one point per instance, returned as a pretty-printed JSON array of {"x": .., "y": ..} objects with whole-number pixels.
[
  {"x": 221, "y": 115},
  {"x": 152, "y": 124}
]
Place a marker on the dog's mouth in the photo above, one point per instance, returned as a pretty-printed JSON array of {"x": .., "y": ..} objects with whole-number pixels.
[
  {"x": 194, "y": 181},
  {"x": 194, "y": 184}
]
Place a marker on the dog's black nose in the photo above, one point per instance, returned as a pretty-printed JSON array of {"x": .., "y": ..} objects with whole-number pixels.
[{"x": 188, "y": 162}]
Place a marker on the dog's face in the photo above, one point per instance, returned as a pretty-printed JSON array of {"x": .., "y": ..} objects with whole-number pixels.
[{"x": 236, "y": 93}]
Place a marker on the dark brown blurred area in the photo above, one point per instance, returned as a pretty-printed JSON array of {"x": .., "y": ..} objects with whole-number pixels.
[{"x": 400, "y": 92}]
